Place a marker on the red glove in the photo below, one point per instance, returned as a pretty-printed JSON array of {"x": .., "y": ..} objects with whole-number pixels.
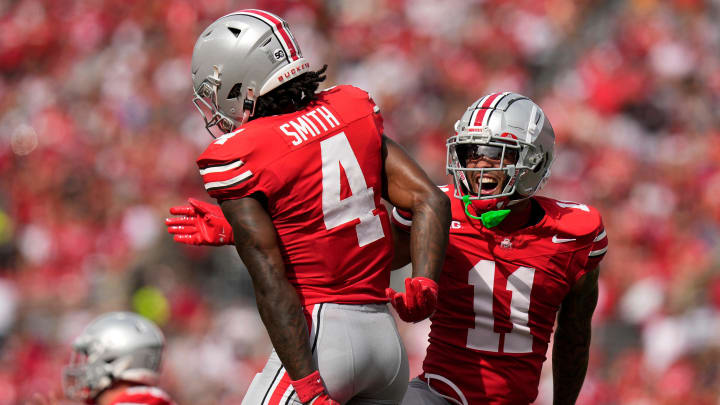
[
  {"x": 311, "y": 390},
  {"x": 417, "y": 302},
  {"x": 199, "y": 223}
]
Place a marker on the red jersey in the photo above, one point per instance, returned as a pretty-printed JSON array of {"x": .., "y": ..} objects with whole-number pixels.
[
  {"x": 320, "y": 169},
  {"x": 142, "y": 395},
  {"x": 499, "y": 294}
]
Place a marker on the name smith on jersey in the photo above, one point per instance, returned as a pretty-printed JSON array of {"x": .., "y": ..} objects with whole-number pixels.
[{"x": 304, "y": 125}]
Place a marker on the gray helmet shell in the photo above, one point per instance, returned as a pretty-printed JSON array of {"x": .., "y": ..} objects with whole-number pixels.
[
  {"x": 114, "y": 346},
  {"x": 507, "y": 120},
  {"x": 238, "y": 58}
]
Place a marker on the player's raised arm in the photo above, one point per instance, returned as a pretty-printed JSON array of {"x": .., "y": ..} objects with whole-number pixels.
[
  {"x": 277, "y": 300},
  {"x": 571, "y": 349},
  {"x": 409, "y": 188}
]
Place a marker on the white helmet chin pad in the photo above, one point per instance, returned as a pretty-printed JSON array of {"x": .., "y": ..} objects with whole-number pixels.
[{"x": 514, "y": 126}]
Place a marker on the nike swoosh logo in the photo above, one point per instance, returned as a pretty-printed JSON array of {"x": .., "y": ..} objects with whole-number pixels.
[{"x": 555, "y": 239}]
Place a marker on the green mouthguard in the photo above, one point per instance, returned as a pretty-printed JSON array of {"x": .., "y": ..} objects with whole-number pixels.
[{"x": 489, "y": 219}]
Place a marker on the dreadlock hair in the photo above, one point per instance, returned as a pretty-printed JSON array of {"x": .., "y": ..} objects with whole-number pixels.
[{"x": 291, "y": 96}]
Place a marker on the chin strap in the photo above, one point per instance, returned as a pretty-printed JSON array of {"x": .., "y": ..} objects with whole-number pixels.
[
  {"x": 490, "y": 218},
  {"x": 248, "y": 106}
]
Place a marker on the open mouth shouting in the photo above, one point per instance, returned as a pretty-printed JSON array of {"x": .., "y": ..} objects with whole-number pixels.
[{"x": 488, "y": 183}]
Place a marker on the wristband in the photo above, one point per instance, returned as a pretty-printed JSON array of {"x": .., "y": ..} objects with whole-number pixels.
[{"x": 309, "y": 386}]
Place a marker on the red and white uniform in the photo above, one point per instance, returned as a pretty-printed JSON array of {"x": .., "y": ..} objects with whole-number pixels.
[
  {"x": 498, "y": 298},
  {"x": 321, "y": 171},
  {"x": 142, "y": 395}
]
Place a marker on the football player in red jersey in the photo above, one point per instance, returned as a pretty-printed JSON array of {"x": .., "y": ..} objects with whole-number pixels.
[
  {"x": 513, "y": 261},
  {"x": 115, "y": 360},
  {"x": 299, "y": 176}
]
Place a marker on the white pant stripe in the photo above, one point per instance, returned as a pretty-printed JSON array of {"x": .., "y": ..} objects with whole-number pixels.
[
  {"x": 276, "y": 380},
  {"x": 290, "y": 391}
]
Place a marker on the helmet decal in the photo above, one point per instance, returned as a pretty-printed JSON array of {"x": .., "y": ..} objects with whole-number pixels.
[{"x": 280, "y": 29}]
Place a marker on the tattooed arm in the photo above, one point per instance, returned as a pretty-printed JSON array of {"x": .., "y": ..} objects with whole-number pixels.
[
  {"x": 401, "y": 243},
  {"x": 277, "y": 300},
  {"x": 409, "y": 188},
  {"x": 571, "y": 350}
]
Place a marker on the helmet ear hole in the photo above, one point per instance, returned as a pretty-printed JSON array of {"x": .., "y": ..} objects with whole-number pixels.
[
  {"x": 235, "y": 91},
  {"x": 541, "y": 163}
]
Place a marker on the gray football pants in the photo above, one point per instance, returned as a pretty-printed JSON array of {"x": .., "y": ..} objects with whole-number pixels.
[
  {"x": 359, "y": 354},
  {"x": 419, "y": 393}
]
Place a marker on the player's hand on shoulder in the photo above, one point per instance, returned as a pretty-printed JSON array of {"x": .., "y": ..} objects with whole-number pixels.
[
  {"x": 417, "y": 302},
  {"x": 199, "y": 223}
]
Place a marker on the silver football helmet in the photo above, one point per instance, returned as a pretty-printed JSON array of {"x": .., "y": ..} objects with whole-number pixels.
[
  {"x": 511, "y": 129},
  {"x": 114, "y": 346},
  {"x": 238, "y": 58}
]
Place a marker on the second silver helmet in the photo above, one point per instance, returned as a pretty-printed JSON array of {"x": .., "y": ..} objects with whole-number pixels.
[{"x": 114, "y": 346}]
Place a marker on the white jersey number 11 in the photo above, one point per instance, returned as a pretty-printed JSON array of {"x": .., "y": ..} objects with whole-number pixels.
[{"x": 519, "y": 285}]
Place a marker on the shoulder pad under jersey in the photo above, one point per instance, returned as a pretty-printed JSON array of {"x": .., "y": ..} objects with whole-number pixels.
[
  {"x": 353, "y": 103},
  {"x": 580, "y": 221},
  {"x": 231, "y": 164},
  {"x": 572, "y": 218}
]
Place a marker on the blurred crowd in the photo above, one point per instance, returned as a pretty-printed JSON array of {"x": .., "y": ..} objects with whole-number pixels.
[{"x": 98, "y": 137}]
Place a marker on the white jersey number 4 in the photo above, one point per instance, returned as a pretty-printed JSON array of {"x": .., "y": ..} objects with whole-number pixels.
[
  {"x": 516, "y": 331},
  {"x": 336, "y": 151}
]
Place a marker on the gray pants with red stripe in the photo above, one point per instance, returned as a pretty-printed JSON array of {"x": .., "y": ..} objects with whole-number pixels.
[{"x": 358, "y": 352}]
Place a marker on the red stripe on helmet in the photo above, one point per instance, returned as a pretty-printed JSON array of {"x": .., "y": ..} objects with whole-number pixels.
[
  {"x": 490, "y": 99},
  {"x": 484, "y": 108},
  {"x": 479, "y": 117},
  {"x": 284, "y": 33}
]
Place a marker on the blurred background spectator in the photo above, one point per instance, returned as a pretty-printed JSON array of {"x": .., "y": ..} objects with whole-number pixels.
[{"x": 98, "y": 138}]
